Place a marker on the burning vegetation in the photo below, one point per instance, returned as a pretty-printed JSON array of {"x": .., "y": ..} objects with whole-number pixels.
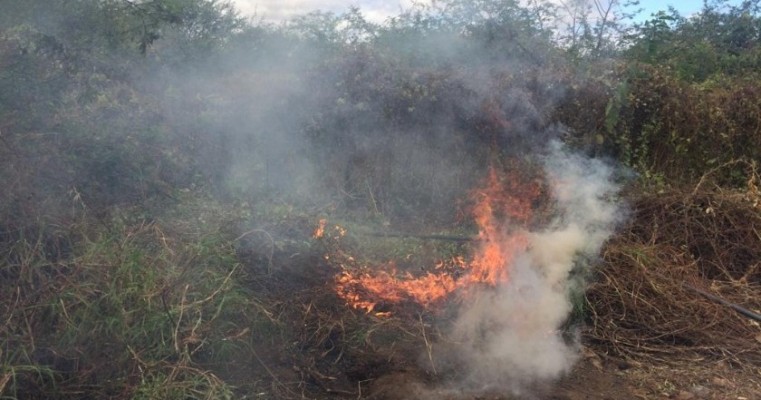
[
  {"x": 470, "y": 200},
  {"x": 504, "y": 298},
  {"x": 502, "y": 209}
]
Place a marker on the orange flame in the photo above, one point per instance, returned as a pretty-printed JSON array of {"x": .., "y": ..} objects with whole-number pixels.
[
  {"x": 500, "y": 205},
  {"x": 319, "y": 232},
  {"x": 503, "y": 207}
]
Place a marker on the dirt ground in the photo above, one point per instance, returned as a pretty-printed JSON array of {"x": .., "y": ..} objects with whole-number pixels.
[{"x": 600, "y": 378}]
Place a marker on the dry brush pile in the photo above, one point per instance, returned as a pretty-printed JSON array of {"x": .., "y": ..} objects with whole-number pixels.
[
  {"x": 695, "y": 217},
  {"x": 644, "y": 304}
]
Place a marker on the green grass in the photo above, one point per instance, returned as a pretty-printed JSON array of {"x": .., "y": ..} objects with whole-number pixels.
[{"x": 130, "y": 311}]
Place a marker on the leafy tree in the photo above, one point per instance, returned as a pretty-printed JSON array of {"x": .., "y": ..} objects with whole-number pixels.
[
  {"x": 720, "y": 40},
  {"x": 594, "y": 29}
]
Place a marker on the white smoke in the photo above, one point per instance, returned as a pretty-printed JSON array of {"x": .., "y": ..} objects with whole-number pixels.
[
  {"x": 511, "y": 337},
  {"x": 377, "y": 11}
]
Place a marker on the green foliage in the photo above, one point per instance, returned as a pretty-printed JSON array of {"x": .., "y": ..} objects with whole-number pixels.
[
  {"x": 75, "y": 116},
  {"x": 720, "y": 40},
  {"x": 674, "y": 132},
  {"x": 157, "y": 308},
  {"x": 615, "y": 104},
  {"x": 93, "y": 26},
  {"x": 473, "y": 31},
  {"x": 33, "y": 79}
]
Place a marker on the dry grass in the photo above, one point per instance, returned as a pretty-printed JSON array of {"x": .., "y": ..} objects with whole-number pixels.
[
  {"x": 129, "y": 312},
  {"x": 704, "y": 237}
]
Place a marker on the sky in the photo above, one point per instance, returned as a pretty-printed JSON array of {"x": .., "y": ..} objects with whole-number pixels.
[
  {"x": 685, "y": 7},
  {"x": 379, "y": 10}
]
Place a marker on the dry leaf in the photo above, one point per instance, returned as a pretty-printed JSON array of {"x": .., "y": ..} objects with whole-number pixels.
[{"x": 685, "y": 395}]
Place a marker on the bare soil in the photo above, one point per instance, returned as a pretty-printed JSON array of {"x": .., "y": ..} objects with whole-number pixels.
[{"x": 595, "y": 378}]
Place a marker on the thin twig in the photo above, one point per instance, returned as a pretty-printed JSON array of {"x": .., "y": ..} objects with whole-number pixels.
[
  {"x": 741, "y": 310},
  {"x": 713, "y": 171},
  {"x": 372, "y": 198},
  {"x": 215, "y": 293},
  {"x": 428, "y": 345},
  {"x": 179, "y": 320},
  {"x": 449, "y": 238},
  {"x": 172, "y": 323}
]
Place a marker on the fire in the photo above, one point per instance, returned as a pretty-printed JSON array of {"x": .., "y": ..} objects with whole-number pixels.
[
  {"x": 500, "y": 205},
  {"x": 320, "y": 231},
  {"x": 391, "y": 288},
  {"x": 502, "y": 209}
]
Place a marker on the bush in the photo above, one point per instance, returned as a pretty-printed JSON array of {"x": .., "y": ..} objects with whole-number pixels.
[{"x": 126, "y": 312}]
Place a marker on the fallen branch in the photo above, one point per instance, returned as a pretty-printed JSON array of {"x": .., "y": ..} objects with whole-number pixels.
[
  {"x": 742, "y": 310},
  {"x": 450, "y": 238}
]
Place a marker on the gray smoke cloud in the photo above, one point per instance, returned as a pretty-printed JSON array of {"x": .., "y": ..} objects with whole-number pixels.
[
  {"x": 299, "y": 130},
  {"x": 306, "y": 124},
  {"x": 511, "y": 337}
]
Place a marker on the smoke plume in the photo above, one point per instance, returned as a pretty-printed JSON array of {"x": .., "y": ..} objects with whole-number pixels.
[{"x": 512, "y": 336}]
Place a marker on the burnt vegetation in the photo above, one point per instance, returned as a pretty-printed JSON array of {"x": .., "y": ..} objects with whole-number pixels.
[{"x": 164, "y": 164}]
